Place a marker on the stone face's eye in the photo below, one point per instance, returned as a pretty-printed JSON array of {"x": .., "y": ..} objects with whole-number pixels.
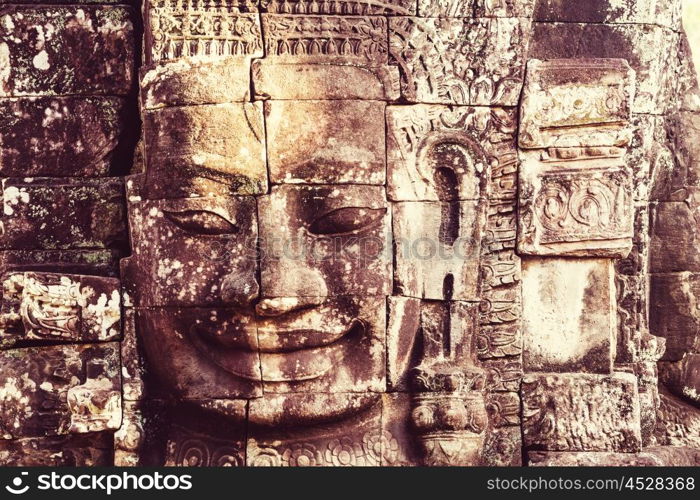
[
  {"x": 346, "y": 220},
  {"x": 201, "y": 222}
]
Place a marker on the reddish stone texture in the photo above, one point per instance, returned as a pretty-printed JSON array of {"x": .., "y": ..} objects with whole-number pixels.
[{"x": 316, "y": 259}]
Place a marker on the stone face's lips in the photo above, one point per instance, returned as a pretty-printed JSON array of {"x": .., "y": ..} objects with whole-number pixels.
[
  {"x": 284, "y": 354},
  {"x": 274, "y": 339}
]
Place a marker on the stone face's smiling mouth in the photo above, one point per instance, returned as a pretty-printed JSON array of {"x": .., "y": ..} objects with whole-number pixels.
[{"x": 279, "y": 349}]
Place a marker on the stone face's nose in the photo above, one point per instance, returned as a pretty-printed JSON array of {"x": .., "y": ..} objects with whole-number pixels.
[
  {"x": 240, "y": 290},
  {"x": 294, "y": 280}
]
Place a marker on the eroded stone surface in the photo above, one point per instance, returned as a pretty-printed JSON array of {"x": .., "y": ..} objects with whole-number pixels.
[
  {"x": 592, "y": 459},
  {"x": 192, "y": 29},
  {"x": 86, "y": 50},
  {"x": 59, "y": 136},
  {"x": 325, "y": 240},
  {"x": 363, "y": 7},
  {"x": 568, "y": 319},
  {"x": 645, "y": 47},
  {"x": 93, "y": 450},
  {"x": 292, "y": 151},
  {"x": 59, "y": 308},
  {"x": 576, "y": 103},
  {"x": 436, "y": 245},
  {"x": 477, "y": 8},
  {"x": 205, "y": 252},
  {"x": 659, "y": 12},
  {"x": 674, "y": 312},
  {"x": 575, "y": 203},
  {"x": 341, "y": 79},
  {"x": 212, "y": 351},
  {"x": 203, "y": 156},
  {"x": 359, "y": 443},
  {"x": 82, "y": 213},
  {"x": 673, "y": 237},
  {"x": 195, "y": 81},
  {"x": 338, "y": 346},
  {"x": 581, "y": 412},
  {"x": 440, "y": 154},
  {"x": 326, "y": 38},
  {"x": 60, "y": 390}
]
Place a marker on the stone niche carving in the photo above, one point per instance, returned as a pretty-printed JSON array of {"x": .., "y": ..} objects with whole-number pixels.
[{"x": 355, "y": 233}]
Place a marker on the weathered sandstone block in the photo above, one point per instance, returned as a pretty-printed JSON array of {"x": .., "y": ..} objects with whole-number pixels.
[
  {"x": 569, "y": 318},
  {"x": 85, "y": 50},
  {"x": 438, "y": 153},
  {"x": 204, "y": 256},
  {"x": 402, "y": 327},
  {"x": 57, "y": 214},
  {"x": 683, "y": 377},
  {"x": 338, "y": 346},
  {"x": 94, "y": 262},
  {"x": 575, "y": 203},
  {"x": 675, "y": 312},
  {"x": 674, "y": 238},
  {"x": 662, "y": 12},
  {"x": 326, "y": 142},
  {"x": 191, "y": 29},
  {"x": 476, "y": 8},
  {"x": 325, "y": 240},
  {"x": 646, "y": 47},
  {"x": 577, "y": 103},
  {"x": 342, "y": 7},
  {"x": 592, "y": 459},
  {"x": 94, "y": 450},
  {"x": 325, "y": 80},
  {"x": 358, "y": 441},
  {"x": 328, "y": 39},
  {"x": 59, "y": 308},
  {"x": 437, "y": 249},
  {"x": 579, "y": 412},
  {"x": 57, "y": 390},
  {"x": 184, "y": 82},
  {"x": 213, "y": 351},
  {"x": 59, "y": 136}
]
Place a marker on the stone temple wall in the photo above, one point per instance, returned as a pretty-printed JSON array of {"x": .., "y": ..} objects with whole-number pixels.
[{"x": 349, "y": 232}]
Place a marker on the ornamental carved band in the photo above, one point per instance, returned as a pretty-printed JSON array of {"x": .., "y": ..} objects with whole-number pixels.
[{"x": 349, "y": 233}]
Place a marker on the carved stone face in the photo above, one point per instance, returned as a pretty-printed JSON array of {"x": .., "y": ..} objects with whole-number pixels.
[
  {"x": 285, "y": 290},
  {"x": 241, "y": 289}
]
